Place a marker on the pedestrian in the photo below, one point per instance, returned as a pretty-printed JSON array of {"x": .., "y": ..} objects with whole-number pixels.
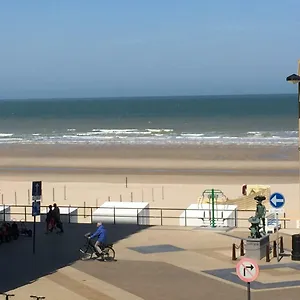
[
  {"x": 49, "y": 220},
  {"x": 56, "y": 216}
]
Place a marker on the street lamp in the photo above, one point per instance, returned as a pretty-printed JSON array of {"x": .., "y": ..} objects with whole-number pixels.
[{"x": 295, "y": 79}]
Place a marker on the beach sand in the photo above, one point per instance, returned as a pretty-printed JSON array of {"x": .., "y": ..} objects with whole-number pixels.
[{"x": 166, "y": 177}]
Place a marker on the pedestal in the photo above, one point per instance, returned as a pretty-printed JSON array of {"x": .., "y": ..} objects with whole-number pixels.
[{"x": 256, "y": 248}]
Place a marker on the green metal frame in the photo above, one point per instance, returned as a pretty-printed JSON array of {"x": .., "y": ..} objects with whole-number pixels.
[{"x": 214, "y": 196}]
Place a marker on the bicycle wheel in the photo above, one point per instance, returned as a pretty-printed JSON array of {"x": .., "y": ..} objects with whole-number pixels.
[
  {"x": 86, "y": 254},
  {"x": 109, "y": 254}
]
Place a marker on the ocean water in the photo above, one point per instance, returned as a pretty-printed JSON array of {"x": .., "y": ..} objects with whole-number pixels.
[{"x": 241, "y": 120}]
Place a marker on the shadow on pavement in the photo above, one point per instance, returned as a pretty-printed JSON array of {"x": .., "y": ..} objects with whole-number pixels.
[{"x": 53, "y": 251}]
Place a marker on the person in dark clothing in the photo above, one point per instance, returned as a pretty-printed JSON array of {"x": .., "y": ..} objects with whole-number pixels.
[
  {"x": 49, "y": 220},
  {"x": 100, "y": 233},
  {"x": 56, "y": 216}
]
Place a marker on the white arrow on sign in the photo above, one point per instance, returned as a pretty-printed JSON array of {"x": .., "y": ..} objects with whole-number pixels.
[{"x": 276, "y": 200}]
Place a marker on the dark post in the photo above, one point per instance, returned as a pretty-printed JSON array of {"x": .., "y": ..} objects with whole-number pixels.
[
  {"x": 84, "y": 209},
  {"x": 33, "y": 235},
  {"x": 185, "y": 221},
  {"x": 91, "y": 215},
  {"x": 137, "y": 217},
  {"x": 268, "y": 253},
  {"x": 233, "y": 254},
  {"x": 131, "y": 196},
  {"x": 242, "y": 252},
  {"x": 69, "y": 215},
  {"x": 284, "y": 221},
  {"x": 248, "y": 291},
  {"x": 281, "y": 250},
  {"x": 274, "y": 249},
  {"x": 161, "y": 217},
  {"x": 114, "y": 215},
  {"x": 126, "y": 182},
  {"x": 25, "y": 213}
]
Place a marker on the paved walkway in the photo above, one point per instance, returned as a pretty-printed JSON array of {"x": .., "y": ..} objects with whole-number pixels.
[{"x": 160, "y": 263}]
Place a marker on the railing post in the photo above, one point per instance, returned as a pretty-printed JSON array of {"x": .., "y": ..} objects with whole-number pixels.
[
  {"x": 137, "y": 216},
  {"x": 69, "y": 215},
  {"x": 161, "y": 217},
  {"x": 284, "y": 221},
  {"x": 91, "y": 215},
  {"x": 235, "y": 218},
  {"x": 268, "y": 253},
  {"x": 114, "y": 215},
  {"x": 274, "y": 249},
  {"x": 84, "y": 214},
  {"x": 281, "y": 250},
  {"x": 25, "y": 211},
  {"x": 233, "y": 254},
  {"x": 242, "y": 252},
  {"x": 185, "y": 221}
]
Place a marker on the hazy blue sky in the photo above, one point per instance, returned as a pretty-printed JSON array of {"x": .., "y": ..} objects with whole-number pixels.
[{"x": 67, "y": 48}]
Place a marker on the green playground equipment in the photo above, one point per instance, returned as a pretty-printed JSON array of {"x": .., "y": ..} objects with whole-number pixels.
[{"x": 213, "y": 196}]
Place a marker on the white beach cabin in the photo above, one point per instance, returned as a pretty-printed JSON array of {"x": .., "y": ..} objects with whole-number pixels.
[{"x": 122, "y": 213}]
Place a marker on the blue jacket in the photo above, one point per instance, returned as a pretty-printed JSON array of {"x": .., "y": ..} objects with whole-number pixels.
[{"x": 100, "y": 233}]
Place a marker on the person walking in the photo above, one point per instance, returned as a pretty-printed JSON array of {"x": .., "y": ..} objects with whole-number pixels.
[
  {"x": 49, "y": 220},
  {"x": 56, "y": 216}
]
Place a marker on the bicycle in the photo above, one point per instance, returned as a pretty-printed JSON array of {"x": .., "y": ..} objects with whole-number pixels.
[
  {"x": 88, "y": 251},
  {"x": 37, "y": 297},
  {"x": 7, "y": 296}
]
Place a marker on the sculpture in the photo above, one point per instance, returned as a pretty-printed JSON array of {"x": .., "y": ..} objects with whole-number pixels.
[{"x": 256, "y": 230}]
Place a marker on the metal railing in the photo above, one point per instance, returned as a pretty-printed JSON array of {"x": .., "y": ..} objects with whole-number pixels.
[{"x": 140, "y": 216}]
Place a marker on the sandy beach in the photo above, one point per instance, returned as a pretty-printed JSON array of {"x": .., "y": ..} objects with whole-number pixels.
[{"x": 166, "y": 177}]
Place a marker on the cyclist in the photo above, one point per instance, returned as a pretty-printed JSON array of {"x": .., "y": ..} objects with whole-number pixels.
[{"x": 100, "y": 233}]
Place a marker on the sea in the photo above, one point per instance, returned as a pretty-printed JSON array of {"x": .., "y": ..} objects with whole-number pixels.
[{"x": 186, "y": 120}]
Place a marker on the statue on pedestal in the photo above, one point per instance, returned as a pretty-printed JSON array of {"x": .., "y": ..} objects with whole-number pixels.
[{"x": 257, "y": 231}]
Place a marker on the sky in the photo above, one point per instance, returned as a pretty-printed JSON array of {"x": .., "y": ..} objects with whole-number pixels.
[{"x": 113, "y": 48}]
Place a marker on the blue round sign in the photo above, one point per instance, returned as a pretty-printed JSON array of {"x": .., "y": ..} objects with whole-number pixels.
[{"x": 277, "y": 200}]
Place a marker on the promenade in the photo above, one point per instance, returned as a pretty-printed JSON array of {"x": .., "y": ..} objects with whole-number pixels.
[{"x": 152, "y": 263}]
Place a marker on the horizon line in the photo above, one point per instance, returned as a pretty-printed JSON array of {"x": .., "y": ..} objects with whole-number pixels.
[{"x": 134, "y": 97}]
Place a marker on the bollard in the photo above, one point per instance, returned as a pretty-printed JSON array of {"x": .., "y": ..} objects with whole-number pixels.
[
  {"x": 233, "y": 254},
  {"x": 108, "y": 198},
  {"x": 53, "y": 194},
  {"x": 274, "y": 249},
  {"x": 268, "y": 253},
  {"x": 281, "y": 250},
  {"x": 65, "y": 192},
  {"x": 242, "y": 249}
]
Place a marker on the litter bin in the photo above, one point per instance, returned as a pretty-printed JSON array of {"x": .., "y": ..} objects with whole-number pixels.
[{"x": 296, "y": 247}]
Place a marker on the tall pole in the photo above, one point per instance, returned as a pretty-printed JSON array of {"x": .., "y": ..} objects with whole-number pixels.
[{"x": 299, "y": 124}]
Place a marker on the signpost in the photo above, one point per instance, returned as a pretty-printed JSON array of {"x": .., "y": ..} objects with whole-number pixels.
[
  {"x": 247, "y": 270},
  {"x": 36, "y": 206},
  {"x": 277, "y": 202}
]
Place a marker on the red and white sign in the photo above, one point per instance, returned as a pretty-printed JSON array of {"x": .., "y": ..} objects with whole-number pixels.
[{"x": 247, "y": 269}]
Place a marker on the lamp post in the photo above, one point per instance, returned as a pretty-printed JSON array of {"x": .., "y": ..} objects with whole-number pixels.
[{"x": 295, "y": 79}]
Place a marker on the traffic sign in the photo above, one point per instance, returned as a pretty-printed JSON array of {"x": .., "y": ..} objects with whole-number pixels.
[
  {"x": 36, "y": 208},
  {"x": 247, "y": 270},
  {"x": 37, "y": 189},
  {"x": 277, "y": 200}
]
